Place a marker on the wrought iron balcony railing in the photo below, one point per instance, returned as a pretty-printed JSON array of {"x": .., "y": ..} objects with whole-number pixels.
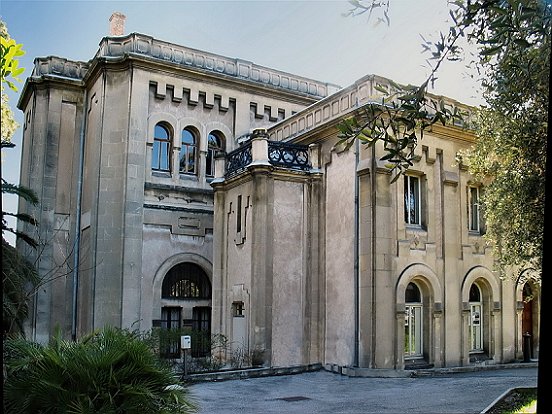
[
  {"x": 280, "y": 154},
  {"x": 237, "y": 160},
  {"x": 288, "y": 155}
]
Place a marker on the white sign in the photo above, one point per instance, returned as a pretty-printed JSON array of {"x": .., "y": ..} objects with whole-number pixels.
[{"x": 185, "y": 342}]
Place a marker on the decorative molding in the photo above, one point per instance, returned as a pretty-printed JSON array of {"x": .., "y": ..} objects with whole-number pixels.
[
  {"x": 343, "y": 103},
  {"x": 56, "y": 66},
  {"x": 139, "y": 44}
]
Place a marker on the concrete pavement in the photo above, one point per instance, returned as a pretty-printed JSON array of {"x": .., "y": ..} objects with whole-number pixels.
[{"x": 326, "y": 392}]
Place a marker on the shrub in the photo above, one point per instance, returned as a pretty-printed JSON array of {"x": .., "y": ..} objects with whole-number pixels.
[{"x": 110, "y": 371}]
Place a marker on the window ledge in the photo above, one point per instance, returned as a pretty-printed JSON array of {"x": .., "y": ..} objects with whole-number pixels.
[
  {"x": 189, "y": 177},
  {"x": 161, "y": 174},
  {"x": 413, "y": 228}
]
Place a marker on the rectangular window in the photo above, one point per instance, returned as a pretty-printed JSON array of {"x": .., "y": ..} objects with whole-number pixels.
[
  {"x": 160, "y": 160},
  {"x": 476, "y": 336},
  {"x": 201, "y": 331},
  {"x": 412, "y": 202},
  {"x": 413, "y": 332},
  {"x": 473, "y": 209},
  {"x": 210, "y": 163},
  {"x": 171, "y": 320},
  {"x": 238, "y": 215},
  {"x": 187, "y": 159},
  {"x": 237, "y": 310}
]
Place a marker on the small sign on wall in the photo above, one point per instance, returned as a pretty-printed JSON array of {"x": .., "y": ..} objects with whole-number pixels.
[{"x": 185, "y": 342}]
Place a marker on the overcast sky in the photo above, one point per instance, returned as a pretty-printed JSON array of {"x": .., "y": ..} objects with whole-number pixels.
[{"x": 308, "y": 38}]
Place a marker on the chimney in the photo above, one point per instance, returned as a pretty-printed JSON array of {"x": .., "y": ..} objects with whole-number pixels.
[{"x": 117, "y": 24}]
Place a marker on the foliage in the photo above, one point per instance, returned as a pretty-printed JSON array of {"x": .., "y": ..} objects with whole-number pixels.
[
  {"x": 18, "y": 274},
  {"x": 509, "y": 159},
  {"x": 513, "y": 37},
  {"x": 517, "y": 401},
  {"x": 207, "y": 349},
  {"x": 18, "y": 277},
  {"x": 29, "y": 196},
  {"x": 242, "y": 357},
  {"x": 109, "y": 371},
  {"x": 9, "y": 72},
  {"x": 510, "y": 151}
]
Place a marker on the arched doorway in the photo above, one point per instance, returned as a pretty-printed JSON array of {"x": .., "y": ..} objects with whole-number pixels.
[
  {"x": 476, "y": 320},
  {"x": 413, "y": 323},
  {"x": 527, "y": 321},
  {"x": 186, "y": 309}
]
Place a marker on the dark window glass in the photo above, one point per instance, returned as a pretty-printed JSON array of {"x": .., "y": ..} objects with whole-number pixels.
[
  {"x": 475, "y": 294},
  {"x": 412, "y": 200},
  {"x": 412, "y": 294},
  {"x": 214, "y": 144},
  {"x": 171, "y": 320},
  {"x": 188, "y": 152},
  {"x": 474, "y": 208},
  {"x": 186, "y": 280}
]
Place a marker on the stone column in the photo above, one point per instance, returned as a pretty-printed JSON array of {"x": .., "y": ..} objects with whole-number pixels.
[{"x": 259, "y": 147}]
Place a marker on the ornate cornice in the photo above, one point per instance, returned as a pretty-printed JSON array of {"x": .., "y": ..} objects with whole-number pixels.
[
  {"x": 147, "y": 46},
  {"x": 61, "y": 67},
  {"x": 141, "y": 46},
  {"x": 344, "y": 103}
]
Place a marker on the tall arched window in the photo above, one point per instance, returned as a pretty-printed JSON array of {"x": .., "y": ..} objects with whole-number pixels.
[
  {"x": 188, "y": 152},
  {"x": 186, "y": 281},
  {"x": 215, "y": 143},
  {"x": 413, "y": 323},
  {"x": 161, "y": 149},
  {"x": 476, "y": 319}
]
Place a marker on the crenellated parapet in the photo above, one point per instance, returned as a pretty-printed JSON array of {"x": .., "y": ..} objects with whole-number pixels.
[{"x": 147, "y": 46}]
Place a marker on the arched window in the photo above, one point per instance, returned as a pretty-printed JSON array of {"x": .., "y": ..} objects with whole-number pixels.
[
  {"x": 188, "y": 152},
  {"x": 161, "y": 149},
  {"x": 476, "y": 319},
  {"x": 186, "y": 281},
  {"x": 413, "y": 322},
  {"x": 215, "y": 143}
]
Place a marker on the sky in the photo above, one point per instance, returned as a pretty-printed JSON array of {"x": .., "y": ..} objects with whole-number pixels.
[{"x": 308, "y": 38}]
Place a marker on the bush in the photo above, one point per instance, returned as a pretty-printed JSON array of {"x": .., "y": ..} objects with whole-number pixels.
[{"x": 110, "y": 371}]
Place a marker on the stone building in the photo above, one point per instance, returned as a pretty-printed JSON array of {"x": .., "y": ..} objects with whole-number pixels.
[{"x": 290, "y": 246}]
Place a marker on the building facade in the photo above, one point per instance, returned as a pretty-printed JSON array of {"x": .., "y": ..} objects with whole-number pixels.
[{"x": 180, "y": 188}]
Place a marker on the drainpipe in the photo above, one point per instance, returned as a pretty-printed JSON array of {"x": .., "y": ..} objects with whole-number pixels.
[
  {"x": 76, "y": 252},
  {"x": 356, "y": 260}
]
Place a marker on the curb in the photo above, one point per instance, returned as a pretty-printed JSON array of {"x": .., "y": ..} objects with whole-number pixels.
[{"x": 346, "y": 371}]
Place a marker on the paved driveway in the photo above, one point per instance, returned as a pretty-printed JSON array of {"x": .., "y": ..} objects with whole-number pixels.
[{"x": 325, "y": 392}]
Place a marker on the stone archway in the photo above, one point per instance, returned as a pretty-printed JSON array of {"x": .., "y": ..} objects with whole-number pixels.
[{"x": 430, "y": 302}]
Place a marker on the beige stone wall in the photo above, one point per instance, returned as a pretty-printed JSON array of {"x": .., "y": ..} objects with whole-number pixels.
[
  {"x": 266, "y": 266},
  {"x": 53, "y": 115},
  {"x": 339, "y": 199},
  {"x": 289, "y": 251}
]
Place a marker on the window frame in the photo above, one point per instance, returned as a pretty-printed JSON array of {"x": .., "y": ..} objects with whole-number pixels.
[
  {"x": 417, "y": 221},
  {"x": 168, "y": 313},
  {"x": 161, "y": 145},
  {"x": 186, "y": 148},
  {"x": 413, "y": 324},
  {"x": 474, "y": 209},
  {"x": 476, "y": 320}
]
